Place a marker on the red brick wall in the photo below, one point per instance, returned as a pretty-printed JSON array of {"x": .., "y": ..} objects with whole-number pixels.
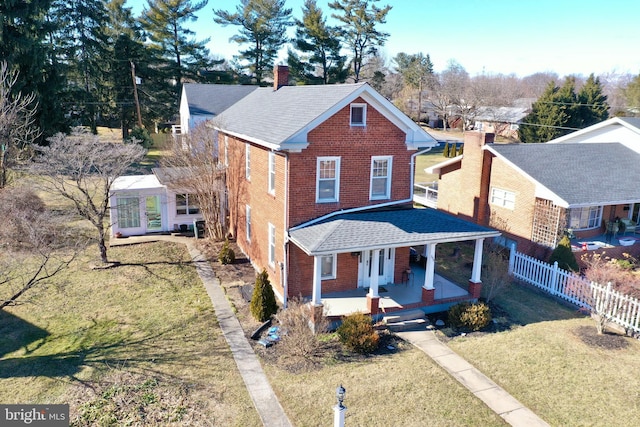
[{"x": 355, "y": 146}]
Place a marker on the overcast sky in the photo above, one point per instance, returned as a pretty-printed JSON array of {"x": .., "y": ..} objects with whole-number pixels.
[{"x": 491, "y": 36}]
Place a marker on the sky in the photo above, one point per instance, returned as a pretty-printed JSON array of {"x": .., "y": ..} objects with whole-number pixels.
[{"x": 521, "y": 37}]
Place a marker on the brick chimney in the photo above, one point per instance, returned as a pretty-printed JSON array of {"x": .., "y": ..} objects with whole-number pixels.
[{"x": 280, "y": 76}]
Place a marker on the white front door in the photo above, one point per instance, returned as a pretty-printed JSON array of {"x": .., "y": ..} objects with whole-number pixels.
[{"x": 385, "y": 267}]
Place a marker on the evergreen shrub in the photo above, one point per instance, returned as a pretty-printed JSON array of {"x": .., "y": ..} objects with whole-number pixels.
[{"x": 356, "y": 333}]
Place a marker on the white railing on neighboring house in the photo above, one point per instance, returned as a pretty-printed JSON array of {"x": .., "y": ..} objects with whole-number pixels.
[
  {"x": 426, "y": 193},
  {"x": 619, "y": 308}
]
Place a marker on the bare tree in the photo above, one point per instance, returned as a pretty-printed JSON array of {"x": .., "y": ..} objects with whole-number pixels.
[
  {"x": 194, "y": 167},
  {"x": 36, "y": 245},
  {"x": 17, "y": 120},
  {"x": 81, "y": 168}
]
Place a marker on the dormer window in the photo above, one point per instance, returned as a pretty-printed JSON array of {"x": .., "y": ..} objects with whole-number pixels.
[{"x": 358, "y": 114}]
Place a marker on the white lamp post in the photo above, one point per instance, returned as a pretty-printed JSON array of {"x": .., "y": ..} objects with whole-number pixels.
[{"x": 339, "y": 409}]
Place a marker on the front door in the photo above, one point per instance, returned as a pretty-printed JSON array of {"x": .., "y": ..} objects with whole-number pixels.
[
  {"x": 153, "y": 213},
  {"x": 386, "y": 262}
]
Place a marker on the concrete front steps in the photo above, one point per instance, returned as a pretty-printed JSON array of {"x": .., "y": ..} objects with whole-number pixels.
[{"x": 405, "y": 320}]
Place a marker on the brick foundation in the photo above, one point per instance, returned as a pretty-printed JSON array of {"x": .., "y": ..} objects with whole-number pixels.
[
  {"x": 373, "y": 304},
  {"x": 475, "y": 288},
  {"x": 428, "y": 296}
]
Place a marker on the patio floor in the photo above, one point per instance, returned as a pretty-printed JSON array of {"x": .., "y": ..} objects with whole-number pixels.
[
  {"x": 393, "y": 297},
  {"x": 605, "y": 241}
]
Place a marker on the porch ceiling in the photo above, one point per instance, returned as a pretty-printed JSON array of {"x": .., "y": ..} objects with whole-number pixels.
[{"x": 354, "y": 232}]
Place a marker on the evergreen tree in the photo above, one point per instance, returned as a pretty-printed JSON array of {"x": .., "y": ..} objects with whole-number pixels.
[
  {"x": 632, "y": 96},
  {"x": 176, "y": 55},
  {"x": 593, "y": 103},
  {"x": 445, "y": 151},
  {"x": 263, "y": 25},
  {"x": 81, "y": 43},
  {"x": 359, "y": 33},
  {"x": 320, "y": 47},
  {"x": 548, "y": 115},
  {"x": 263, "y": 301},
  {"x": 564, "y": 255},
  {"x": 24, "y": 44}
]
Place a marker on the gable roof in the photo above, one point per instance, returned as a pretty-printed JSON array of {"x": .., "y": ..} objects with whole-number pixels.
[
  {"x": 502, "y": 114},
  {"x": 281, "y": 119},
  {"x": 211, "y": 100},
  {"x": 574, "y": 174},
  {"x": 630, "y": 123},
  {"x": 354, "y": 232}
]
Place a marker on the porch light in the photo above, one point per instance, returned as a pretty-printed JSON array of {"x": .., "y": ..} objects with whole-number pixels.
[{"x": 340, "y": 392}]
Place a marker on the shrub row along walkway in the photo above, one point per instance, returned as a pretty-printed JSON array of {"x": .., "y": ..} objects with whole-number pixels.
[{"x": 494, "y": 396}]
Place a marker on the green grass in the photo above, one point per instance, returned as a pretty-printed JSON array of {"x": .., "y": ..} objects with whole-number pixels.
[
  {"x": 426, "y": 160},
  {"x": 138, "y": 338}
]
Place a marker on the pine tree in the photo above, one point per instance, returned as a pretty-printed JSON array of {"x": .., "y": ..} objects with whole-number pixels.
[
  {"x": 445, "y": 151},
  {"x": 564, "y": 255},
  {"x": 593, "y": 103},
  {"x": 632, "y": 96},
  {"x": 320, "y": 47},
  {"x": 549, "y": 114},
  {"x": 263, "y": 26},
  {"x": 263, "y": 301}
]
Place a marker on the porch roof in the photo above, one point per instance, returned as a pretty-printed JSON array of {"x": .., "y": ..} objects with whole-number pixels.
[{"x": 354, "y": 232}]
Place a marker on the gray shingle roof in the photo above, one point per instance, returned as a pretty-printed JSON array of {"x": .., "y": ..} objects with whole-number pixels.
[
  {"x": 275, "y": 116},
  {"x": 580, "y": 174},
  {"x": 385, "y": 228},
  {"x": 211, "y": 100}
]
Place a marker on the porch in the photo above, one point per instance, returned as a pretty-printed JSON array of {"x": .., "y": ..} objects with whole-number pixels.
[{"x": 397, "y": 297}]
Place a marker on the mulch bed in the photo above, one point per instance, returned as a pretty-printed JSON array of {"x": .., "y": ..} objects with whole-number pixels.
[{"x": 608, "y": 341}]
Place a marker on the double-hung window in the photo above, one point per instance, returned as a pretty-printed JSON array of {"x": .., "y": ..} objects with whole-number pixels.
[
  {"x": 327, "y": 179},
  {"x": 503, "y": 198},
  {"x": 247, "y": 162},
  {"x": 358, "y": 116},
  {"x": 272, "y": 245},
  {"x": 248, "y": 222},
  {"x": 327, "y": 267},
  {"x": 272, "y": 173},
  {"x": 380, "y": 178},
  {"x": 187, "y": 204}
]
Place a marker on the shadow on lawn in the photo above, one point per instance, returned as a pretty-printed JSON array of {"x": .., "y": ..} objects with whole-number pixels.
[{"x": 103, "y": 344}]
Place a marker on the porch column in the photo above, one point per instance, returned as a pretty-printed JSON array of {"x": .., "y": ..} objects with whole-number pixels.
[
  {"x": 375, "y": 268},
  {"x": 475, "y": 283},
  {"x": 316, "y": 298},
  {"x": 477, "y": 262},
  {"x": 430, "y": 255}
]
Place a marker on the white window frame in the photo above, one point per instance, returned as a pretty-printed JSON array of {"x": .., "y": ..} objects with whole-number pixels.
[
  {"x": 335, "y": 179},
  {"x": 332, "y": 274},
  {"x": 272, "y": 245},
  {"x": 591, "y": 216},
  {"x": 188, "y": 206},
  {"x": 387, "y": 194},
  {"x": 272, "y": 173},
  {"x": 503, "y": 198},
  {"x": 248, "y": 223},
  {"x": 364, "y": 115},
  {"x": 247, "y": 162}
]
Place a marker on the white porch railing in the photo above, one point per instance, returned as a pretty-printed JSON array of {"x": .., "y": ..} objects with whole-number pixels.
[
  {"x": 426, "y": 193},
  {"x": 619, "y": 308}
]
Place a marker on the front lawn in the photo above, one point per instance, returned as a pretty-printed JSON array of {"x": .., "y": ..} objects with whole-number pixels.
[{"x": 137, "y": 343}]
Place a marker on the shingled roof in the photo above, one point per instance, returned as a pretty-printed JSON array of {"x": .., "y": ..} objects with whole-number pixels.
[
  {"x": 366, "y": 230},
  {"x": 211, "y": 100},
  {"x": 574, "y": 174}
]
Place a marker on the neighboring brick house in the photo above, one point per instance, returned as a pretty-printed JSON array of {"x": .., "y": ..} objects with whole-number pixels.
[
  {"x": 320, "y": 185},
  {"x": 535, "y": 193}
]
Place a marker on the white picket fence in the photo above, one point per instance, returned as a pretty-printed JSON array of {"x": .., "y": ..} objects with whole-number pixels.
[{"x": 619, "y": 308}]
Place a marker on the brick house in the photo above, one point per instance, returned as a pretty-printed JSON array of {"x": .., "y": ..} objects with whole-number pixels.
[
  {"x": 581, "y": 184},
  {"x": 320, "y": 183}
]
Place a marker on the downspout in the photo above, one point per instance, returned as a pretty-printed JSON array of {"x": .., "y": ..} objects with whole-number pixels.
[
  {"x": 285, "y": 266},
  {"x": 380, "y": 205}
]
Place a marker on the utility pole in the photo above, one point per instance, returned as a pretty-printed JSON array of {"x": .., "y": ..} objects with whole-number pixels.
[{"x": 135, "y": 93}]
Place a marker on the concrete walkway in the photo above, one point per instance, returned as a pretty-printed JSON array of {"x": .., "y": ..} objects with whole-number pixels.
[
  {"x": 494, "y": 396},
  {"x": 260, "y": 391}
]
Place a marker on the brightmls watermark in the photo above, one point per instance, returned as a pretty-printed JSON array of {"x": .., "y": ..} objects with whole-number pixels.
[{"x": 34, "y": 415}]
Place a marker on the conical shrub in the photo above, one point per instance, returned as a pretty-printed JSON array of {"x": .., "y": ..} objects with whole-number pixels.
[{"x": 263, "y": 301}]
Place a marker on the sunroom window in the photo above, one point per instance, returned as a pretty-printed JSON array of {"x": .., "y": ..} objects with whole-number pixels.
[{"x": 585, "y": 217}]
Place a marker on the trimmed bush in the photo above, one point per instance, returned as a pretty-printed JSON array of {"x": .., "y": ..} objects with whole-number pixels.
[
  {"x": 141, "y": 136},
  {"x": 226, "y": 255},
  {"x": 263, "y": 301},
  {"x": 564, "y": 255},
  {"x": 356, "y": 333},
  {"x": 469, "y": 316}
]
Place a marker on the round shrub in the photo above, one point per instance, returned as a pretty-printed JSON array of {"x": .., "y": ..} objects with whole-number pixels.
[
  {"x": 356, "y": 333},
  {"x": 470, "y": 316},
  {"x": 226, "y": 255},
  {"x": 140, "y": 136}
]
